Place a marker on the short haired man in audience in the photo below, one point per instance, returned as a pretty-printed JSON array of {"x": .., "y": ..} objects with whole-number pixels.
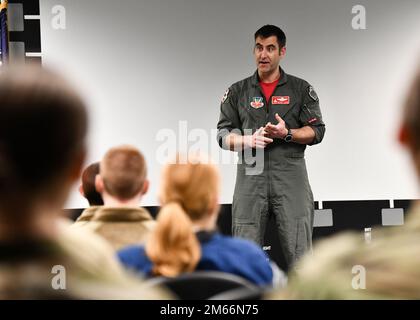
[{"x": 122, "y": 182}]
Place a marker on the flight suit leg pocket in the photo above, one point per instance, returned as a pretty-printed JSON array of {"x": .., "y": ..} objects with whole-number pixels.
[
  {"x": 248, "y": 231},
  {"x": 249, "y": 210},
  {"x": 303, "y": 237}
]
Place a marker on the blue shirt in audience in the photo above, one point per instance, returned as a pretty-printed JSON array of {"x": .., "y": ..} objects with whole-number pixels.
[{"x": 218, "y": 253}]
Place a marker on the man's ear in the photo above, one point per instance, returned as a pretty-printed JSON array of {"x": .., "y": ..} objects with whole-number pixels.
[
  {"x": 81, "y": 191},
  {"x": 99, "y": 184},
  {"x": 283, "y": 52},
  {"x": 145, "y": 188}
]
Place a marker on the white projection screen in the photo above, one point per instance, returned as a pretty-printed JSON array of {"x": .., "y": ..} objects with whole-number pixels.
[{"x": 156, "y": 69}]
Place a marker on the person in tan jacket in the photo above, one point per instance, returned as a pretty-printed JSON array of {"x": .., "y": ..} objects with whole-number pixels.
[{"x": 122, "y": 182}]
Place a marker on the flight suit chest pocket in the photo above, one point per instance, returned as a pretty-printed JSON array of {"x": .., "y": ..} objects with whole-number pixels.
[
  {"x": 289, "y": 113},
  {"x": 253, "y": 112}
]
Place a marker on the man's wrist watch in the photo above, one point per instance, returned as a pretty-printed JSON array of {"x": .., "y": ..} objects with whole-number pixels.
[{"x": 289, "y": 135}]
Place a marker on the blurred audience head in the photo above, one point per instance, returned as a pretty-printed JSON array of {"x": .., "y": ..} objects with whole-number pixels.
[
  {"x": 122, "y": 175},
  {"x": 43, "y": 123},
  {"x": 189, "y": 197},
  {"x": 87, "y": 189}
]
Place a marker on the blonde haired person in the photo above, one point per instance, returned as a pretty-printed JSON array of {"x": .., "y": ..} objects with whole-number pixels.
[
  {"x": 185, "y": 238},
  {"x": 122, "y": 182}
]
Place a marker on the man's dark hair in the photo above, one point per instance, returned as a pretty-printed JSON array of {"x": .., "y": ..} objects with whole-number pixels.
[
  {"x": 43, "y": 123},
  {"x": 270, "y": 30},
  {"x": 88, "y": 184}
]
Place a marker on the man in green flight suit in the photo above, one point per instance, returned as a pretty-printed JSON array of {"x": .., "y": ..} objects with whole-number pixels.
[{"x": 269, "y": 119}]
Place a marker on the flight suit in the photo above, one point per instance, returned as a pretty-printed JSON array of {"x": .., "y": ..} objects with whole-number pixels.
[{"x": 281, "y": 187}]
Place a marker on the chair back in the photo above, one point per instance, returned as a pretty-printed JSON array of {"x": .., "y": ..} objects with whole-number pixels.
[{"x": 202, "y": 285}]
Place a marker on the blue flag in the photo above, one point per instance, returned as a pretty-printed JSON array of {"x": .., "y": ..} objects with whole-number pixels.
[{"x": 4, "y": 32}]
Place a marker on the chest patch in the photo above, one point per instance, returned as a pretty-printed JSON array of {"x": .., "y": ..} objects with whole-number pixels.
[
  {"x": 280, "y": 100},
  {"x": 257, "y": 102}
]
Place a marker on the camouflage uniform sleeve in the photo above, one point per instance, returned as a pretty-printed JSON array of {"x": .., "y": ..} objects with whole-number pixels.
[
  {"x": 229, "y": 118},
  {"x": 310, "y": 114}
]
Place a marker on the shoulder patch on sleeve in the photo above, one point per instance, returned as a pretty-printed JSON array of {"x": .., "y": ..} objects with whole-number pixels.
[
  {"x": 312, "y": 93},
  {"x": 225, "y": 96}
]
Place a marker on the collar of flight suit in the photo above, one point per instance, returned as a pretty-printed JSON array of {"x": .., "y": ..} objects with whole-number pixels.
[{"x": 282, "y": 80}]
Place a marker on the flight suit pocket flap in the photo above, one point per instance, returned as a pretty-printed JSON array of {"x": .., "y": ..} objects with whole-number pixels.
[{"x": 295, "y": 155}]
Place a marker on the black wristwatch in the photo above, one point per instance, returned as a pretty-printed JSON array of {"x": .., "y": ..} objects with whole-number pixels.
[{"x": 288, "y": 136}]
